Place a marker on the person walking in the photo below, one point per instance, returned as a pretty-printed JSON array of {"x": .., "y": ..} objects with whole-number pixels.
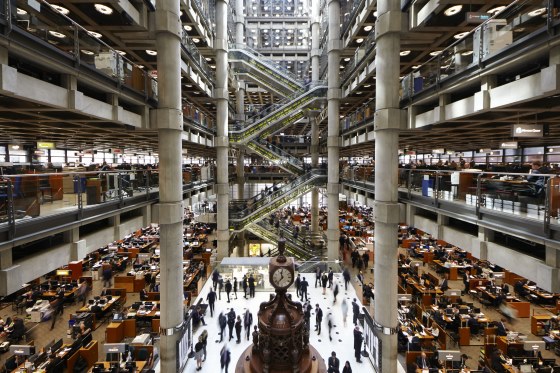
[
  {"x": 231, "y": 323},
  {"x": 215, "y": 279},
  {"x": 225, "y": 357},
  {"x": 303, "y": 289},
  {"x": 247, "y": 322},
  {"x": 344, "y": 308},
  {"x": 307, "y": 314},
  {"x": 198, "y": 353},
  {"x": 365, "y": 258},
  {"x": 335, "y": 292},
  {"x": 58, "y": 307},
  {"x": 330, "y": 324},
  {"x": 211, "y": 298},
  {"x": 204, "y": 339},
  {"x": 220, "y": 287},
  {"x": 235, "y": 284},
  {"x": 318, "y": 318},
  {"x": 244, "y": 284},
  {"x": 358, "y": 338},
  {"x": 347, "y": 368},
  {"x": 222, "y": 321},
  {"x": 297, "y": 283},
  {"x": 324, "y": 282},
  {"x": 334, "y": 364},
  {"x": 238, "y": 329},
  {"x": 228, "y": 288},
  {"x": 107, "y": 275},
  {"x": 355, "y": 311},
  {"x": 330, "y": 277},
  {"x": 317, "y": 276},
  {"x": 251, "y": 286},
  {"x": 346, "y": 276}
]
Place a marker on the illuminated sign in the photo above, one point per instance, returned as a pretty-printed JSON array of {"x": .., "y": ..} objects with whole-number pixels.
[
  {"x": 509, "y": 145},
  {"x": 438, "y": 151},
  {"x": 527, "y": 130},
  {"x": 45, "y": 145},
  {"x": 477, "y": 17}
]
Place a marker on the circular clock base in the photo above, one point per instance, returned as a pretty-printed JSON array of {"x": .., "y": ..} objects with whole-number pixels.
[{"x": 255, "y": 365}]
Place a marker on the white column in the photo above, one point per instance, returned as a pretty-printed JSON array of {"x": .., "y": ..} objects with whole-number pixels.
[
  {"x": 315, "y": 40},
  {"x": 221, "y": 139},
  {"x": 169, "y": 119},
  {"x": 239, "y": 23},
  {"x": 387, "y": 124},
  {"x": 333, "y": 140},
  {"x": 314, "y": 164}
]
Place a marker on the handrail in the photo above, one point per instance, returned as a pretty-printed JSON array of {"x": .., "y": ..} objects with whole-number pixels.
[
  {"x": 268, "y": 62},
  {"x": 284, "y": 156}
]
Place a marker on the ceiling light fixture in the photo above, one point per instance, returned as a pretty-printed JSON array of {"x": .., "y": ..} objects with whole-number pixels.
[
  {"x": 360, "y": 40},
  {"x": 404, "y": 53},
  {"x": 347, "y": 59},
  {"x": 461, "y": 35},
  {"x": 196, "y": 40},
  {"x": 57, "y": 34},
  {"x": 122, "y": 53},
  {"x": 104, "y": 9},
  {"x": 435, "y": 53},
  {"x": 367, "y": 85},
  {"x": 467, "y": 53},
  {"x": 368, "y": 28},
  {"x": 88, "y": 52},
  {"x": 151, "y": 52},
  {"x": 60, "y": 9},
  {"x": 451, "y": 11},
  {"x": 187, "y": 27},
  {"x": 208, "y": 59},
  {"x": 94, "y": 34},
  {"x": 537, "y": 12},
  {"x": 496, "y": 10},
  {"x": 21, "y": 12}
]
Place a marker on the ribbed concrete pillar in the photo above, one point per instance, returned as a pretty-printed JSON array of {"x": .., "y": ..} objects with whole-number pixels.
[
  {"x": 170, "y": 125},
  {"x": 315, "y": 40},
  {"x": 221, "y": 139},
  {"x": 314, "y": 164},
  {"x": 333, "y": 140},
  {"x": 242, "y": 248},
  {"x": 387, "y": 124},
  {"x": 239, "y": 23}
]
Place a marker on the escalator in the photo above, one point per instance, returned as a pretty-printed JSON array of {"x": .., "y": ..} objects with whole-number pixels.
[
  {"x": 262, "y": 205},
  {"x": 294, "y": 247},
  {"x": 277, "y": 156},
  {"x": 248, "y": 61},
  {"x": 284, "y": 114}
]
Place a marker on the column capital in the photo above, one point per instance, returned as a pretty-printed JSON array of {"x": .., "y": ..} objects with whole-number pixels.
[
  {"x": 388, "y": 22},
  {"x": 167, "y": 118},
  {"x": 168, "y": 21}
]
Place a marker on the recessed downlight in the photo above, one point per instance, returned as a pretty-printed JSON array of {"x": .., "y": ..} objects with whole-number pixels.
[
  {"x": 196, "y": 40},
  {"x": 208, "y": 59},
  {"x": 347, "y": 59},
  {"x": 88, "y": 52},
  {"x": 151, "y": 52},
  {"x": 360, "y": 40},
  {"x": 187, "y": 27},
  {"x": 461, "y": 35},
  {"x": 404, "y": 53},
  {"x": 104, "y": 9},
  {"x": 122, "y": 53},
  {"x": 451, "y": 11},
  {"x": 60, "y": 9},
  {"x": 435, "y": 53},
  {"x": 21, "y": 12},
  {"x": 57, "y": 34},
  {"x": 368, "y": 28}
]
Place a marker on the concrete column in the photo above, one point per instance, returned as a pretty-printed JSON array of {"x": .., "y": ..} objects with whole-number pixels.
[
  {"x": 554, "y": 56},
  {"x": 242, "y": 248},
  {"x": 239, "y": 23},
  {"x": 115, "y": 222},
  {"x": 146, "y": 216},
  {"x": 314, "y": 164},
  {"x": 71, "y": 235},
  {"x": 169, "y": 119},
  {"x": 410, "y": 213},
  {"x": 315, "y": 40},
  {"x": 6, "y": 259},
  {"x": 333, "y": 139},
  {"x": 221, "y": 140},
  {"x": 485, "y": 235},
  {"x": 3, "y": 56},
  {"x": 240, "y": 101},
  {"x": 387, "y": 125},
  {"x": 443, "y": 101},
  {"x": 482, "y": 98},
  {"x": 552, "y": 254},
  {"x": 442, "y": 221}
]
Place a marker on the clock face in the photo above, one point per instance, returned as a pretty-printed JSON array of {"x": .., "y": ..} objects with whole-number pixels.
[{"x": 282, "y": 278}]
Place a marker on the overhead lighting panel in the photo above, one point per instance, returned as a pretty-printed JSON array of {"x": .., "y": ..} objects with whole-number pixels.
[
  {"x": 95, "y": 34},
  {"x": 404, "y": 53},
  {"x": 60, "y": 9},
  {"x": 461, "y": 35},
  {"x": 57, "y": 34},
  {"x": 151, "y": 52}
]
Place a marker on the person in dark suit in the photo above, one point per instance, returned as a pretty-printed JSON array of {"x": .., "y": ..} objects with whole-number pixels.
[
  {"x": 501, "y": 328},
  {"x": 444, "y": 285},
  {"x": 496, "y": 361},
  {"x": 358, "y": 338},
  {"x": 334, "y": 363},
  {"x": 422, "y": 361},
  {"x": 211, "y": 298}
]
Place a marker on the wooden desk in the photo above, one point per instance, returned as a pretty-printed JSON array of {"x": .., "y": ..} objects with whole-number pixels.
[
  {"x": 140, "y": 365},
  {"x": 114, "y": 332},
  {"x": 523, "y": 308},
  {"x": 535, "y": 320},
  {"x": 507, "y": 346},
  {"x": 105, "y": 308}
]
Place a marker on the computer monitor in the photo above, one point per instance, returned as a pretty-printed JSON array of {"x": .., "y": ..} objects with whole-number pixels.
[
  {"x": 91, "y": 302},
  {"x": 449, "y": 355},
  {"x": 525, "y": 368},
  {"x": 113, "y": 348},
  {"x": 404, "y": 297},
  {"x": 534, "y": 345},
  {"x": 57, "y": 345},
  {"x": 87, "y": 339},
  {"x": 22, "y": 350},
  {"x": 449, "y": 311},
  {"x": 463, "y": 311}
]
